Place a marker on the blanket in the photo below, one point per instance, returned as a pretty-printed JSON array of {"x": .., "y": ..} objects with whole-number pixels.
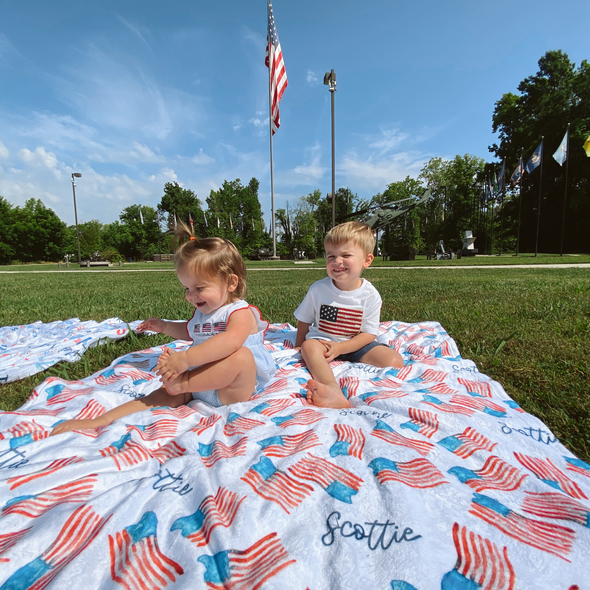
[
  {"x": 433, "y": 478},
  {"x": 32, "y": 348}
]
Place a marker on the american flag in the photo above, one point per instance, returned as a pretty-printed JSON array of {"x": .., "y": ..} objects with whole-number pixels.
[
  {"x": 278, "y": 75},
  {"x": 481, "y": 561},
  {"x": 214, "y": 511},
  {"x": 552, "y": 538},
  {"x": 206, "y": 328},
  {"x": 219, "y": 327},
  {"x": 340, "y": 321}
]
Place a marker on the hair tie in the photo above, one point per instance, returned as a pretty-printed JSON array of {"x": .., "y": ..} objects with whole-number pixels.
[{"x": 192, "y": 238}]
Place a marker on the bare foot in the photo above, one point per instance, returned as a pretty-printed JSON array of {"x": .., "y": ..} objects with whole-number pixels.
[
  {"x": 178, "y": 385},
  {"x": 325, "y": 396},
  {"x": 70, "y": 425}
]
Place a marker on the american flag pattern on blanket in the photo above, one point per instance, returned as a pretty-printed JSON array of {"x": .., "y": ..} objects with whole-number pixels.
[
  {"x": 479, "y": 562},
  {"x": 275, "y": 485},
  {"x": 53, "y": 467},
  {"x": 75, "y": 536},
  {"x": 248, "y": 569},
  {"x": 340, "y": 321},
  {"x": 557, "y": 506},
  {"x": 217, "y": 451},
  {"x": 422, "y": 422},
  {"x": 467, "y": 443},
  {"x": 286, "y": 445},
  {"x": 385, "y": 432},
  {"x": 8, "y": 540},
  {"x": 495, "y": 474},
  {"x": 37, "y": 505},
  {"x": 137, "y": 561},
  {"x": 547, "y": 472},
  {"x": 349, "y": 441},
  {"x": 214, "y": 511},
  {"x": 552, "y": 538},
  {"x": 418, "y": 473}
]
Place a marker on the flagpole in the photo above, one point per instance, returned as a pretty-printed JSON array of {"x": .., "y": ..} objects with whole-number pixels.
[
  {"x": 567, "y": 162},
  {"x": 502, "y": 206},
  {"x": 272, "y": 186},
  {"x": 521, "y": 165},
  {"x": 539, "y": 204}
]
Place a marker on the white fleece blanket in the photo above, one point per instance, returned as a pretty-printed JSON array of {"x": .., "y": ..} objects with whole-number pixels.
[
  {"x": 32, "y": 348},
  {"x": 434, "y": 478}
]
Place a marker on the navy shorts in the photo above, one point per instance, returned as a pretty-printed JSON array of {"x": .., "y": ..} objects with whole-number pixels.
[{"x": 355, "y": 357}]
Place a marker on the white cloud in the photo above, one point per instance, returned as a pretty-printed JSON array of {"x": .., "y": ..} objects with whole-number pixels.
[
  {"x": 3, "y": 151},
  {"x": 388, "y": 140},
  {"x": 203, "y": 159},
  {"x": 312, "y": 171},
  {"x": 144, "y": 154},
  {"x": 313, "y": 78}
]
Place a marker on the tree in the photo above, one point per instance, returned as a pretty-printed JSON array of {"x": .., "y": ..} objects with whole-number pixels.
[
  {"x": 182, "y": 204},
  {"x": 234, "y": 212},
  {"x": 38, "y": 233},
  {"x": 90, "y": 238},
  {"x": 139, "y": 240},
  {"x": 6, "y": 232},
  {"x": 556, "y": 95},
  {"x": 456, "y": 187}
]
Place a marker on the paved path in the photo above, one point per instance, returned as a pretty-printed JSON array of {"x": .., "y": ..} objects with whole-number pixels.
[{"x": 484, "y": 266}]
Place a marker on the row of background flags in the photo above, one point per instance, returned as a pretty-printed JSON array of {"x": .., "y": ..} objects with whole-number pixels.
[{"x": 494, "y": 184}]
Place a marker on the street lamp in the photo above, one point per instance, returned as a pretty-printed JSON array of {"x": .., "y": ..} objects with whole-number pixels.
[
  {"x": 76, "y": 175},
  {"x": 330, "y": 80}
]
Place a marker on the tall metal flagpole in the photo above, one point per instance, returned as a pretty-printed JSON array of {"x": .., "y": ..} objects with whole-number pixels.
[
  {"x": 539, "y": 204},
  {"x": 567, "y": 161},
  {"x": 502, "y": 206},
  {"x": 521, "y": 166},
  {"x": 272, "y": 186}
]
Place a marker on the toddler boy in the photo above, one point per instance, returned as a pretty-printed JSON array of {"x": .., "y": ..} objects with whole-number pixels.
[{"x": 339, "y": 316}]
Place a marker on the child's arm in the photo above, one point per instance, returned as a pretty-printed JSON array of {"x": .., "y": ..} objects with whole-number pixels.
[
  {"x": 334, "y": 349},
  {"x": 220, "y": 346},
  {"x": 302, "y": 330},
  {"x": 176, "y": 330}
]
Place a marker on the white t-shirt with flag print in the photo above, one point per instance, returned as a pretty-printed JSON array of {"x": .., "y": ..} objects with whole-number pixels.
[{"x": 339, "y": 315}]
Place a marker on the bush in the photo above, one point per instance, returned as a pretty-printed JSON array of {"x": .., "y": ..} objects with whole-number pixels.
[{"x": 111, "y": 255}]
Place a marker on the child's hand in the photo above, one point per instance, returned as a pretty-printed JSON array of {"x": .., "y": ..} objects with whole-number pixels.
[
  {"x": 332, "y": 350},
  {"x": 152, "y": 325},
  {"x": 171, "y": 365}
]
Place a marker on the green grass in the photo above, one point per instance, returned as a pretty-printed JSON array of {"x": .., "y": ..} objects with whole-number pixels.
[
  {"x": 529, "y": 328},
  {"x": 505, "y": 259}
]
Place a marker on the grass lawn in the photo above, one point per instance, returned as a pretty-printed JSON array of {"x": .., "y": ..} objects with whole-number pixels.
[
  {"x": 529, "y": 328},
  {"x": 504, "y": 259}
]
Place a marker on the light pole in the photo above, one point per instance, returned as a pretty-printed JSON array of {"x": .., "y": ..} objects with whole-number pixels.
[
  {"x": 76, "y": 175},
  {"x": 330, "y": 80}
]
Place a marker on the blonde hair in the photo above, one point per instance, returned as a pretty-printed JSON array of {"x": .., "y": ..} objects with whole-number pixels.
[
  {"x": 215, "y": 259},
  {"x": 358, "y": 233}
]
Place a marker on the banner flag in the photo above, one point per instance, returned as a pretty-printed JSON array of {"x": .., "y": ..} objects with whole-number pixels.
[
  {"x": 501, "y": 176},
  {"x": 278, "y": 74},
  {"x": 560, "y": 155},
  {"x": 587, "y": 146},
  {"x": 140, "y": 215},
  {"x": 518, "y": 172},
  {"x": 205, "y": 218},
  {"x": 535, "y": 159}
]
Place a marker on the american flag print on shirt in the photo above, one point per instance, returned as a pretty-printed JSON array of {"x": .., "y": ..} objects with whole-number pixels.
[{"x": 340, "y": 321}]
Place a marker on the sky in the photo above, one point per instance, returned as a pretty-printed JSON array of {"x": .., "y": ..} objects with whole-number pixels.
[{"x": 133, "y": 95}]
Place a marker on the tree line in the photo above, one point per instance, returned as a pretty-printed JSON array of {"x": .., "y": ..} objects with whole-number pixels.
[{"x": 467, "y": 193}]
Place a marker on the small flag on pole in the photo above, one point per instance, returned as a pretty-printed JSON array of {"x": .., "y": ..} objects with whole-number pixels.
[
  {"x": 252, "y": 223},
  {"x": 560, "y": 155},
  {"x": 140, "y": 215},
  {"x": 230, "y": 222},
  {"x": 518, "y": 172},
  {"x": 175, "y": 222},
  {"x": 587, "y": 146},
  {"x": 218, "y": 222},
  {"x": 205, "y": 218},
  {"x": 274, "y": 62},
  {"x": 501, "y": 176},
  {"x": 535, "y": 159},
  {"x": 190, "y": 218}
]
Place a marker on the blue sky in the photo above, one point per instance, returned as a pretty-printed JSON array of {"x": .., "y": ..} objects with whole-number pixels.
[{"x": 136, "y": 94}]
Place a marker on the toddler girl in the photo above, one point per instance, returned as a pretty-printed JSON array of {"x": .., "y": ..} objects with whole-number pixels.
[{"x": 228, "y": 361}]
